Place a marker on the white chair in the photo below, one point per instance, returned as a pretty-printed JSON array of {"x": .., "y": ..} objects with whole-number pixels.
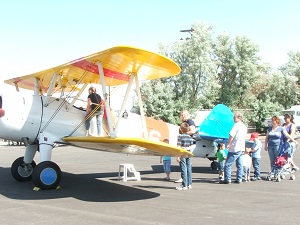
[{"x": 129, "y": 172}]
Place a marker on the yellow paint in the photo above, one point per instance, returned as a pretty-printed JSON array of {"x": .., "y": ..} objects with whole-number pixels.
[
  {"x": 127, "y": 145},
  {"x": 122, "y": 59}
]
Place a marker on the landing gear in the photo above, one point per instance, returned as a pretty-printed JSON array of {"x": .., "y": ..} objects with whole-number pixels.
[
  {"x": 46, "y": 175},
  {"x": 22, "y": 171},
  {"x": 214, "y": 165}
]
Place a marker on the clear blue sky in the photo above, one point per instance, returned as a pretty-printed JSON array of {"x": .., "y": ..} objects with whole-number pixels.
[{"x": 38, "y": 34}]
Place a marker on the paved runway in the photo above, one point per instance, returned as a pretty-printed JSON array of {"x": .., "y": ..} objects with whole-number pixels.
[{"x": 92, "y": 194}]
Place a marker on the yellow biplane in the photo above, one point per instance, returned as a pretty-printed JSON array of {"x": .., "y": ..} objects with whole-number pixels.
[{"x": 42, "y": 120}]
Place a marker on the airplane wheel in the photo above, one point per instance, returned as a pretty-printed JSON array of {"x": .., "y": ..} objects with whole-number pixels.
[
  {"x": 21, "y": 171},
  {"x": 214, "y": 165},
  {"x": 46, "y": 175}
]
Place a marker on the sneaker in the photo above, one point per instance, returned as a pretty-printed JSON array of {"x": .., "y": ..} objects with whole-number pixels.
[
  {"x": 238, "y": 181},
  {"x": 225, "y": 182},
  {"x": 295, "y": 168},
  {"x": 181, "y": 188},
  {"x": 167, "y": 178},
  {"x": 178, "y": 181},
  {"x": 255, "y": 178},
  {"x": 189, "y": 186}
]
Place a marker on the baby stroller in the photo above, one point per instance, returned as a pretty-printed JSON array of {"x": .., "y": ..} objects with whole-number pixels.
[{"x": 282, "y": 164}]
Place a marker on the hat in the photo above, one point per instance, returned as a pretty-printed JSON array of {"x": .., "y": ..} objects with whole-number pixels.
[{"x": 253, "y": 135}]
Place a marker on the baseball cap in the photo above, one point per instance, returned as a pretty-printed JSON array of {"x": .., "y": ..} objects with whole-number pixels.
[{"x": 253, "y": 135}]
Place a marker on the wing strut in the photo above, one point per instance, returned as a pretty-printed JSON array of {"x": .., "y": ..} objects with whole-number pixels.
[
  {"x": 77, "y": 96},
  {"x": 36, "y": 86},
  {"x": 132, "y": 77},
  {"x": 107, "y": 107},
  {"x": 52, "y": 85},
  {"x": 141, "y": 107}
]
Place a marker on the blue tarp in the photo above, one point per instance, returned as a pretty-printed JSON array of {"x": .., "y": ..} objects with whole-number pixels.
[{"x": 218, "y": 123}]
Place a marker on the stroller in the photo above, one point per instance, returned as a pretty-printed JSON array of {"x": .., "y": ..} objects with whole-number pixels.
[{"x": 282, "y": 163}]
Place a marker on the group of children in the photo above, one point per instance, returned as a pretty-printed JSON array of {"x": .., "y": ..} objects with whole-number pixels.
[{"x": 251, "y": 156}]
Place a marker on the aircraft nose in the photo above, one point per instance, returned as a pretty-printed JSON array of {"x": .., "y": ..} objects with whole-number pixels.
[{"x": 2, "y": 112}]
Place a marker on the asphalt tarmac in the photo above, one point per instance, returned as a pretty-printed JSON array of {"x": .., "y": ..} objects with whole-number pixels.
[{"x": 92, "y": 194}]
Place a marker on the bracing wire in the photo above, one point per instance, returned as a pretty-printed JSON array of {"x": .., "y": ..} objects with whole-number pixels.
[{"x": 63, "y": 102}]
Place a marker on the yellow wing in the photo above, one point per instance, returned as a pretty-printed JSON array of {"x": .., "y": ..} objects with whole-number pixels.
[
  {"x": 118, "y": 64},
  {"x": 138, "y": 146}
]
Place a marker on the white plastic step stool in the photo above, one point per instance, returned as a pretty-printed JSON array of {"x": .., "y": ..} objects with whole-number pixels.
[{"x": 129, "y": 172}]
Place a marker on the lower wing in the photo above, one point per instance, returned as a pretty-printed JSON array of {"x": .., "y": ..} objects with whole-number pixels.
[{"x": 138, "y": 146}]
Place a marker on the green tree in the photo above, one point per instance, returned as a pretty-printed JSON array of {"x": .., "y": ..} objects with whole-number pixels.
[
  {"x": 292, "y": 68},
  {"x": 193, "y": 88},
  {"x": 221, "y": 70},
  {"x": 158, "y": 101},
  {"x": 237, "y": 69}
]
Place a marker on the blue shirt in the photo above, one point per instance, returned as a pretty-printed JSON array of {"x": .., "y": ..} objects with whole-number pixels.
[
  {"x": 166, "y": 157},
  {"x": 275, "y": 137},
  {"x": 257, "y": 146}
]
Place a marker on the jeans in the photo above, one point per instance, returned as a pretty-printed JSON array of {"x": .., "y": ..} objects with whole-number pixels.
[
  {"x": 273, "y": 153},
  {"x": 221, "y": 165},
  {"x": 186, "y": 171},
  {"x": 256, "y": 166},
  {"x": 167, "y": 166},
  {"x": 99, "y": 122},
  {"x": 231, "y": 158}
]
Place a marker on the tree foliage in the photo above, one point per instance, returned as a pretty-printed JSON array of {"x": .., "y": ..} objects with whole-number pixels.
[{"x": 221, "y": 69}]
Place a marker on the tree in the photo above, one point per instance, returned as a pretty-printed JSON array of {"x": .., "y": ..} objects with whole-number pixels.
[
  {"x": 194, "y": 56},
  {"x": 222, "y": 70},
  {"x": 237, "y": 69},
  {"x": 158, "y": 101},
  {"x": 292, "y": 68}
]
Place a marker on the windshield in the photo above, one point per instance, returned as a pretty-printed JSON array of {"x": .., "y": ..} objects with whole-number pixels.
[{"x": 289, "y": 112}]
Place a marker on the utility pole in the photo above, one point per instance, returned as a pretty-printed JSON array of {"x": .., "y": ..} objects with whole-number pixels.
[{"x": 190, "y": 31}]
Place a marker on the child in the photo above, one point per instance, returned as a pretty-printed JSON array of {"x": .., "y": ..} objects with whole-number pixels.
[
  {"x": 246, "y": 162},
  {"x": 255, "y": 150},
  {"x": 221, "y": 155},
  {"x": 185, "y": 141},
  {"x": 166, "y": 160}
]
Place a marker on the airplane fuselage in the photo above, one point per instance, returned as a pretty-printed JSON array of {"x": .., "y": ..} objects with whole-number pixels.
[{"x": 26, "y": 116}]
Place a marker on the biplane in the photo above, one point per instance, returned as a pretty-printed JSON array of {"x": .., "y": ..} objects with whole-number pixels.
[{"x": 49, "y": 116}]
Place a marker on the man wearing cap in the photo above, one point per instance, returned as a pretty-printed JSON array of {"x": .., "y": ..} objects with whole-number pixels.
[{"x": 256, "y": 150}]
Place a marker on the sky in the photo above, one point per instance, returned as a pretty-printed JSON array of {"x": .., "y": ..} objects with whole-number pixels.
[{"x": 39, "y": 34}]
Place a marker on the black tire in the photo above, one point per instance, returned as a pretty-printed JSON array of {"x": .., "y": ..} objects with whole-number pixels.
[
  {"x": 21, "y": 171},
  {"x": 214, "y": 165},
  {"x": 46, "y": 175}
]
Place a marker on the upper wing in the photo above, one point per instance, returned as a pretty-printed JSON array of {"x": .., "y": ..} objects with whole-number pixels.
[
  {"x": 127, "y": 145},
  {"x": 118, "y": 64}
]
